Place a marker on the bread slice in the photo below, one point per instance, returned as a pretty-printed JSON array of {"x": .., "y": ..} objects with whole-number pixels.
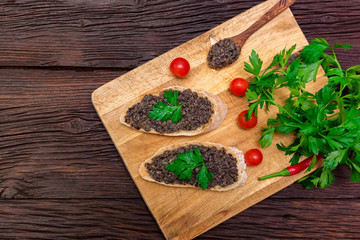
[
  {"x": 238, "y": 154},
  {"x": 218, "y": 106}
]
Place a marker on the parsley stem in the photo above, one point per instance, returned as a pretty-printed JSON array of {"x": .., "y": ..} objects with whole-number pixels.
[
  {"x": 325, "y": 137},
  {"x": 347, "y": 96},
  {"x": 338, "y": 65},
  {"x": 356, "y": 147},
  {"x": 335, "y": 59},
  {"x": 290, "y": 115},
  {"x": 280, "y": 107},
  {"x": 337, "y": 113}
]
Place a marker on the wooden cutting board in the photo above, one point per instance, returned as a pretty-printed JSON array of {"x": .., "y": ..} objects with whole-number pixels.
[{"x": 183, "y": 213}]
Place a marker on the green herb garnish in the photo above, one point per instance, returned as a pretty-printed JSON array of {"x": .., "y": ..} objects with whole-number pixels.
[
  {"x": 163, "y": 112},
  {"x": 184, "y": 165},
  {"x": 326, "y": 123}
]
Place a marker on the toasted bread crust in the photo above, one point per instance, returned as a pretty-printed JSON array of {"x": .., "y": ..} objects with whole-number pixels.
[
  {"x": 238, "y": 154},
  {"x": 218, "y": 106}
]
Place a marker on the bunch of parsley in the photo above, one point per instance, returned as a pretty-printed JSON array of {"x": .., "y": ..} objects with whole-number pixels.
[{"x": 326, "y": 123}]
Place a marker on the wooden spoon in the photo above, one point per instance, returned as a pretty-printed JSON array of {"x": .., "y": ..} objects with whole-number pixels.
[{"x": 227, "y": 51}]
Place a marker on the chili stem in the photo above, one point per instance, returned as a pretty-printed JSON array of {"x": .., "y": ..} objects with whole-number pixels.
[{"x": 284, "y": 172}]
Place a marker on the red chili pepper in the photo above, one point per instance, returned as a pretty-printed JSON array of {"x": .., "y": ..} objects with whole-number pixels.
[{"x": 293, "y": 169}]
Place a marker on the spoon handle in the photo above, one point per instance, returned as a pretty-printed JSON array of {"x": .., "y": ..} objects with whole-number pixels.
[{"x": 269, "y": 15}]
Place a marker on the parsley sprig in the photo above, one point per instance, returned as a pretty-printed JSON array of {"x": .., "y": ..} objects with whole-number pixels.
[
  {"x": 327, "y": 122},
  {"x": 163, "y": 112},
  {"x": 186, "y": 162}
]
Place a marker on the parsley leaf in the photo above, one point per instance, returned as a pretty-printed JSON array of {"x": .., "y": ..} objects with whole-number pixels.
[
  {"x": 354, "y": 68},
  {"x": 163, "y": 112},
  {"x": 171, "y": 97},
  {"x": 355, "y": 172},
  {"x": 345, "y": 46},
  {"x": 326, "y": 177},
  {"x": 307, "y": 72},
  {"x": 256, "y": 64},
  {"x": 334, "y": 158},
  {"x": 312, "y": 52},
  {"x": 176, "y": 115},
  {"x": 251, "y": 95},
  {"x": 312, "y": 163},
  {"x": 186, "y": 162},
  {"x": 204, "y": 177},
  {"x": 267, "y": 137},
  {"x": 183, "y": 165},
  {"x": 284, "y": 55}
]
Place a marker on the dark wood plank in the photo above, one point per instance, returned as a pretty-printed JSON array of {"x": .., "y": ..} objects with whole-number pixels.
[
  {"x": 53, "y": 145},
  {"x": 292, "y": 219},
  {"x": 130, "y": 219},
  {"x": 125, "y": 34},
  {"x": 77, "y": 219}
]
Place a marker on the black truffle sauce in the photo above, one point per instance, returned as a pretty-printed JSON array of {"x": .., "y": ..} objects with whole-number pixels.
[{"x": 223, "y": 53}]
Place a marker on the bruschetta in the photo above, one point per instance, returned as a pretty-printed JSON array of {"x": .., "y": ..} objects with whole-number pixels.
[
  {"x": 226, "y": 164},
  {"x": 201, "y": 112}
]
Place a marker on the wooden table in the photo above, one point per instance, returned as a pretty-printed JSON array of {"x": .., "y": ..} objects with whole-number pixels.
[{"x": 60, "y": 174}]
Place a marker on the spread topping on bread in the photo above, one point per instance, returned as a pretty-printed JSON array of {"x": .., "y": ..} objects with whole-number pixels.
[
  {"x": 156, "y": 112},
  {"x": 195, "y": 164}
]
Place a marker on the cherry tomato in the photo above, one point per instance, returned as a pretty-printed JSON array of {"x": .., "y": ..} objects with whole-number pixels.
[
  {"x": 253, "y": 157},
  {"x": 239, "y": 86},
  {"x": 180, "y": 67},
  {"x": 247, "y": 124}
]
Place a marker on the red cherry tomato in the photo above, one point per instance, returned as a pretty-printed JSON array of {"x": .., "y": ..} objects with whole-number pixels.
[
  {"x": 247, "y": 124},
  {"x": 180, "y": 67},
  {"x": 239, "y": 86},
  {"x": 253, "y": 157}
]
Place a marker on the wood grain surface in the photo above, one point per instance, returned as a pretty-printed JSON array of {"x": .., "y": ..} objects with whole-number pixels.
[{"x": 60, "y": 174}]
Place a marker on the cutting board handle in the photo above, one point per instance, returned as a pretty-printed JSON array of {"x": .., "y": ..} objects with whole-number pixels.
[{"x": 267, "y": 17}]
